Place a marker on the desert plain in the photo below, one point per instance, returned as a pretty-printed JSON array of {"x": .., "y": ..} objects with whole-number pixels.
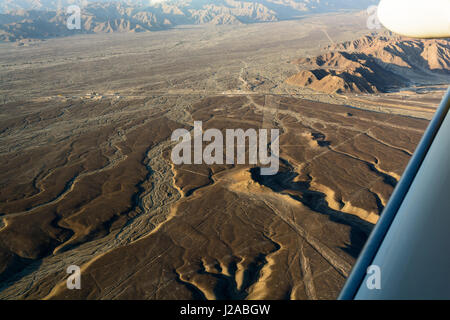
[{"x": 86, "y": 176}]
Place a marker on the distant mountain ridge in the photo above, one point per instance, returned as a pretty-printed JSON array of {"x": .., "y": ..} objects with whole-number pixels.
[
  {"x": 375, "y": 64},
  {"x": 40, "y": 19},
  {"x": 281, "y": 7}
]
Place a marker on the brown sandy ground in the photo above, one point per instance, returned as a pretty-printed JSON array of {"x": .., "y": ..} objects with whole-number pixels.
[
  {"x": 85, "y": 176},
  {"x": 232, "y": 234}
]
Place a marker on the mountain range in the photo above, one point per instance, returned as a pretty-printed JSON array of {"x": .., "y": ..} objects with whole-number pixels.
[
  {"x": 40, "y": 19},
  {"x": 375, "y": 63}
]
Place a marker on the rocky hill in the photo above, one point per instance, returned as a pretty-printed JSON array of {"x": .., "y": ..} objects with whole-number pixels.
[{"x": 375, "y": 64}]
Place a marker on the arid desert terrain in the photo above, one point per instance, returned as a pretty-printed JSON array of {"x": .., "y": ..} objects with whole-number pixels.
[{"x": 86, "y": 176}]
